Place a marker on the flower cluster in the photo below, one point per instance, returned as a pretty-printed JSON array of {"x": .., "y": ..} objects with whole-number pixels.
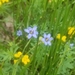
[
  {"x": 46, "y": 39},
  {"x": 3, "y": 1},
  {"x": 17, "y": 55},
  {"x": 63, "y": 38},
  {"x": 25, "y": 58},
  {"x": 32, "y": 32},
  {"x": 71, "y": 31}
]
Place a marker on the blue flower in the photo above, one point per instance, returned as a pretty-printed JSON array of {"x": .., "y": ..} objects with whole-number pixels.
[
  {"x": 19, "y": 33},
  {"x": 47, "y": 39},
  {"x": 32, "y": 32},
  {"x": 71, "y": 45}
]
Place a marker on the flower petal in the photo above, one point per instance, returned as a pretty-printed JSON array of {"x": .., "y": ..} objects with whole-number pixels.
[
  {"x": 34, "y": 35},
  {"x": 49, "y": 43},
  {"x": 51, "y": 39},
  {"x": 35, "y": 32},
  {"x": 45, "y": 35},
  {"x": 34, "y": 28},
  {"x": 49, "y": 35},
  {"x": 29, "y": 36},
  {"x": 43, "y": 40},
  {"x": 26, "y": 30}
]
